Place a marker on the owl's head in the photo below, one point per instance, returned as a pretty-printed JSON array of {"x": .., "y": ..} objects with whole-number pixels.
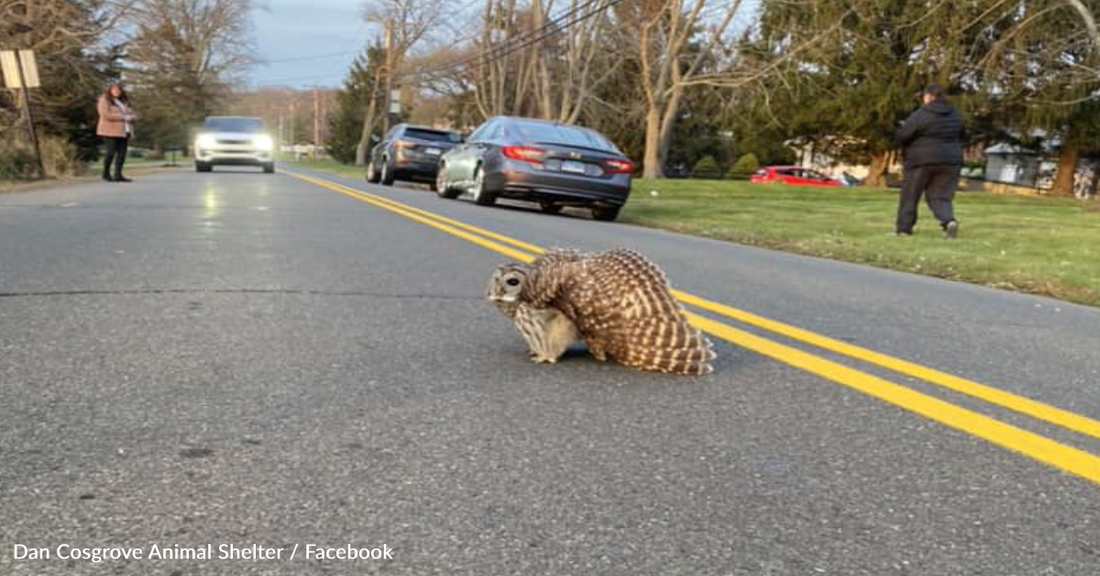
[
  {"x": 506, "y": 283},
  {"x": 505, "y": 286}
]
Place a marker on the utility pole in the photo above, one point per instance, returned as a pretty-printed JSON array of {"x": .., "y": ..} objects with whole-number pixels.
[
  {"x": 293, "y": 121},
  {"x": 316, "y": 122},
  {"x": 389, "y": 76},
  {"x": 323, "y": 132}
]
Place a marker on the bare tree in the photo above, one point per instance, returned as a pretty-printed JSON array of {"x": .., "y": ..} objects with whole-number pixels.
[
  {"x": 1089, "y": 21},
  {"x": 537, "y": 59},
  {"x": 61, "y": 32},
  {"x": 673, "y": 39},
  {"x": 76, "y": 44},
  {"x": 185, "y": 55},
  {"x": 405, "y": 23}
]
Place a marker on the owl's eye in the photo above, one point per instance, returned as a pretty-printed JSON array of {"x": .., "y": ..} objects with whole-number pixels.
[{"x": 512, "y": 281}]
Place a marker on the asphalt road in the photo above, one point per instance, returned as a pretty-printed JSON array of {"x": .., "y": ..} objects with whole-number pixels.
[{"x": 234, "y": 358}]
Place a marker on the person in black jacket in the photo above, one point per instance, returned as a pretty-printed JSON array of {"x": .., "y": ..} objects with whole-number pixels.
[{"x": 932, "y": 141}]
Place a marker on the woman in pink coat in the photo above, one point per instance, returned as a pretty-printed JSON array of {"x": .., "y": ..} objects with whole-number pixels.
[{"x": 116, "y": 124}]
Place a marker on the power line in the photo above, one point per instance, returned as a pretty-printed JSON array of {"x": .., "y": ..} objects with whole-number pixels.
[
  {"x": 292, "y": 79},
  {"x": 525, "y": 40},
  {"x": 310, "y": 57},
  {"x": 504, "y": 49},
  {"x": 468, "y": 37}
]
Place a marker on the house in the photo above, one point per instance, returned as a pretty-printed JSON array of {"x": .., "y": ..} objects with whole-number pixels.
[
  {"x": 1011, "y": 164},
  {"x": 1015, "y": 165}
]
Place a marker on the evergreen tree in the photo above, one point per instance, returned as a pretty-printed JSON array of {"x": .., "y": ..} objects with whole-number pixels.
[
  {"x": 1043, "y": 74},
  {"x": 744, "y": 168},
  {"x": 850, "y": 72},
  {"x": 73, "y": 68},
  {"x": 346, "y": 124},
  {"x": 707, "y": 169},
  {"x": 183, "y": 58}
]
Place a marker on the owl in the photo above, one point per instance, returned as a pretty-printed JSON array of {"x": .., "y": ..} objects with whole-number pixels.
[{"x": 616, "y": 301}]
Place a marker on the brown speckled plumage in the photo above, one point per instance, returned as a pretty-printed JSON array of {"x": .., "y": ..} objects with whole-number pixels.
[{"x": 617, "y": 301}]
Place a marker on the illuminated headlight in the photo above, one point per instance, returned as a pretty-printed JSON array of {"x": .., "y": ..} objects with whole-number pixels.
[
  {"x": 263, "y": 142},
  {"x": 205, "y": 141}
]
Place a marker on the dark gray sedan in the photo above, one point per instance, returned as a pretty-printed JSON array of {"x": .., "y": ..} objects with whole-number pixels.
[
  {"x": 553, "y": 164},
  {"x": 409, "y": 153}
]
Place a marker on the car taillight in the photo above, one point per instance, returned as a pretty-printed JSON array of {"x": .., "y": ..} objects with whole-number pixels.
[
  {"x": 524, "y": 153},
  {"x": 403, "y": 144},
  {"x": 618, "y": 166}
]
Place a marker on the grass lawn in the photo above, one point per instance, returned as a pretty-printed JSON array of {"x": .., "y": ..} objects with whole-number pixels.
[
  {"x": 327, "y": 165},
  {"x": 1045, "y": 246}
]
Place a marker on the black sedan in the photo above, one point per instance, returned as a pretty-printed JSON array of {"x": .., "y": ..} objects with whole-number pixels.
[
  {"x": 550, "y": 163},
  {"x": 409, "y": 153}
]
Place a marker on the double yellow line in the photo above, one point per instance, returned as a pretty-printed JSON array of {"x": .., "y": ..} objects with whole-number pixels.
[{"x": 1059, "y": 455}]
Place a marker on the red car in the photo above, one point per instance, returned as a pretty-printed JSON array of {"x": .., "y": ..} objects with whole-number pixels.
[{"x": 794, "y": 175}]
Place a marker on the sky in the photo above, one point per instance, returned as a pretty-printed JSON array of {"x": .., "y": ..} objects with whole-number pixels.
[{"x": 306, "y": 43}]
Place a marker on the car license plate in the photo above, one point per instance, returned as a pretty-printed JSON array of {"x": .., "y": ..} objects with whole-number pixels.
[
  {"x": 433, "y": 151},
  {"x": 571, "y": 166}
]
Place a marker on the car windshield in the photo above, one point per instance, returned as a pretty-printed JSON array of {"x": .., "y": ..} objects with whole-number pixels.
[
  {"x": 230, "y": 124},
  {"x": 547, "y": 133},
  {"x": 432, "y": 135}
]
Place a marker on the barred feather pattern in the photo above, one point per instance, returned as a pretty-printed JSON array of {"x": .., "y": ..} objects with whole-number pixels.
[
  {"x": 619, "y": 303},
  {"x": 547, "y": 331}
]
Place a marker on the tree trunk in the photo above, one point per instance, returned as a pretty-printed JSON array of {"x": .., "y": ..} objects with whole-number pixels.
[
  {"x": 364, "y": 145},
  {"x": 652, "y": 167},
  {"x": 1067, "y": 166},
  {"x": 876, "y": 172}
]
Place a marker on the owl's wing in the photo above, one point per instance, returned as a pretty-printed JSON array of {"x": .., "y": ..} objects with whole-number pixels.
[
  {"x": 639, "y": 322},
  {"x": 549, "y": 275}
]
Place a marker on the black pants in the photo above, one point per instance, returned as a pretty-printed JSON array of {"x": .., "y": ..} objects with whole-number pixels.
[
  {"x": 938, "y": 183},
  {"x": 116, "y": 153}
]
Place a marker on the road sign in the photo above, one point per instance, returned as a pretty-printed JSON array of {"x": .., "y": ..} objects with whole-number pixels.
[
  {"x": 20, "y": 73},
  {"x": 395, "y": 101},
  {"x": 10, "y": 64}
]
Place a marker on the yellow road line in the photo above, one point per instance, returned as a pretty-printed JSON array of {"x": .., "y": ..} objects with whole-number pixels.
[
  {"x": 454, "y": 223},
  {"x": 521, "y": 256},
  {"x": 1033, "y": 408},
  {"x": 984, "y": 392},
  {"x": 1040, "y": 448},
  {"x": 987, "y": 393}
]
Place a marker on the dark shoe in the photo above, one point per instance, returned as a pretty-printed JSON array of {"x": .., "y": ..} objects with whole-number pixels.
[
  {"x": 122, "y": 179},
  {"x": 108, "y": 178},
  {"x": 951, "y": 229}
]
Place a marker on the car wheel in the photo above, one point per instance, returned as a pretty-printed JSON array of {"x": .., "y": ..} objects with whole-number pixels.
[
  {"x": 482, "y": 196},
  {"x": 444, "y": 188},
  {"x": 605, "y": 214},
  {"x": 372, "y": 174},
  {"x": 387, "y": 173},
  {"x": 550, "y": 207},
  {"x": 202, "y": 167},
  {"x": 269, "y": 168}
]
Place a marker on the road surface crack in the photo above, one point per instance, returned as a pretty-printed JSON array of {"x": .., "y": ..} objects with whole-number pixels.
[{"x": 262, "y": 291}]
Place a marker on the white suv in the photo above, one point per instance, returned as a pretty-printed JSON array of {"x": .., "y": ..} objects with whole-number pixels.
[{"x": 234, "y": 140}]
